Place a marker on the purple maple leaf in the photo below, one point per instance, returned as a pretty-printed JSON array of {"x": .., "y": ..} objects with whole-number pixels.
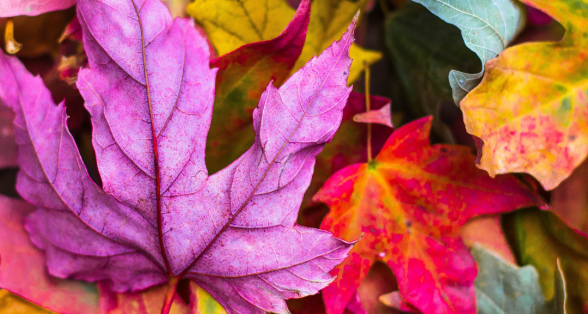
[{"x": 159, "y": 216}]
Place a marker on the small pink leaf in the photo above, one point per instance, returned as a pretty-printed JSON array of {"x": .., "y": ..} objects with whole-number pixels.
[{"x": 380, "y": 116}]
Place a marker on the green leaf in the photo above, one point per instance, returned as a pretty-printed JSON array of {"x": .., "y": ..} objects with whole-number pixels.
[
  {"x": 487, "y": 27},
  {"x": 540, "y": 238},
  {"x": 424, "y": 49},
  {"x": 503, "y": 288}
]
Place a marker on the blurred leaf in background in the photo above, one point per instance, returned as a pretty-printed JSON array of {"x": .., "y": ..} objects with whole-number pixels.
[
  {"x": 39, "y": 34},
  {"x": 539, "y": 238},
  {"x": 424, "y": 49},
  {"x": 487, "y": 27},
  {"x": 502, "y": 287}
]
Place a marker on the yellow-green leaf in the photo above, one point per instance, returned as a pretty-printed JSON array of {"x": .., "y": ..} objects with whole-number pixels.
[
  {"x": 540, "y": 238},
  {"x": 231, "y": 24},
  {"x": 205, "y": 303},
  {"x": 531, "y": 109},
  {"x": 328, "y": 20}
]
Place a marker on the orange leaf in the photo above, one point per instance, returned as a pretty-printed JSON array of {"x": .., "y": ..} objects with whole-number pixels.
[{"x": 531, "y": 109}]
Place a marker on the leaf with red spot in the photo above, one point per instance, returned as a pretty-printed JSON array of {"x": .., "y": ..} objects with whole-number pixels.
[
  {"x": 159, "y": 216},
  {"x": 409, "y": 204}
]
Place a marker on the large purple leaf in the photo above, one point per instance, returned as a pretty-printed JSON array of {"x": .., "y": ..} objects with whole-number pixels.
[{"x": 159, "y": 215}]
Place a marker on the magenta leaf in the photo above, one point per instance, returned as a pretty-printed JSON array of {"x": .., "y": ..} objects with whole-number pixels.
[{"x": 159, "y": 215}]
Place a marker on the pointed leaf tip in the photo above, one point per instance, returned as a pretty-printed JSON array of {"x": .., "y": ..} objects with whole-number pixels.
[{"x": 379, "y": 116}]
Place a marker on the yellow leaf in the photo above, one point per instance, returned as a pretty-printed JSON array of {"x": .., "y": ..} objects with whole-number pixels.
[
  {"x": 230, "y": 24},
  {"x": 328, "y": 20},
  {"x": 11, "y": 303},
  {"x": 531, "y": 109},
  {"x": 206, "y": 304},
  {"x": 359, "y": 56}
]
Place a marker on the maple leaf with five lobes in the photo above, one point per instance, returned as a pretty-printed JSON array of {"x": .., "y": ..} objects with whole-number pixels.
[
  {"x": 409, "y": 203},
  {"x": 159, "y": 216}
]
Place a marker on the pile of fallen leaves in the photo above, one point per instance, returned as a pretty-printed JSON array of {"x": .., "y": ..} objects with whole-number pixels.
[{"x": 224, "y": 156}]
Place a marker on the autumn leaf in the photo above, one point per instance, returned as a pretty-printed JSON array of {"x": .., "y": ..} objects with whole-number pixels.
[
  {"x": 530, "y": 110},
  {"x": 149, "y": 90},
  {"x": 241, "y": 79},
  {"x": 241, "y": 22},
  {"x": 540, "y": 238},
  {"x": 504, "y": 288},
  {"x": 247, "y": 22},
  {"x": 409, "y": 204},
  {"x": 487, "y": 26}
]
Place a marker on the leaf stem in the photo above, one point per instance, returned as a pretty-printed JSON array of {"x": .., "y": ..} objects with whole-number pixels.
[
  {"x": 12, "y": 46},
  {"x": 367, "y": 108},
  {"x": 169, "y": 296}
]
